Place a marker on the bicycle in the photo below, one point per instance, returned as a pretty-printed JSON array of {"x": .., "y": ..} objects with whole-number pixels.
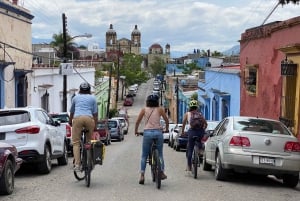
[
  {"x": 87, "y": 163},
  {"x": 155, "y": 163},
  {"x": 196, "y": 155}
]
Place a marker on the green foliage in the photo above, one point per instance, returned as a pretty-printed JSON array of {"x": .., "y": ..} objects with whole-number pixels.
[
  {"x": 131, "y": 68},
  {"x": 58, "y": 45},
  {"x": 189, "y": 68},
  {"x": 112, "y": 112},
  {"x": 194, "y": 96},
  {"x": 158, "y": 67}
]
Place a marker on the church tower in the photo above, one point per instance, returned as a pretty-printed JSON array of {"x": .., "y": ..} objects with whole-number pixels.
[
  {"x": 111, "y": 39},
  {"x": 135, "y": 41}
]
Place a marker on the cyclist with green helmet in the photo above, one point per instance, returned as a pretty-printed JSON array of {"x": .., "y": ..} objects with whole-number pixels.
[{"x": 192, "y": 131}]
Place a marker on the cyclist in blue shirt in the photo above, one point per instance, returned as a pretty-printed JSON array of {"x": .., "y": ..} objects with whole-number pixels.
[{"x": 83, "y": 113}]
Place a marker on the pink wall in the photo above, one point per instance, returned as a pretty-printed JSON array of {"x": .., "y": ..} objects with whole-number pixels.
[{"x": 261, "y": 46}]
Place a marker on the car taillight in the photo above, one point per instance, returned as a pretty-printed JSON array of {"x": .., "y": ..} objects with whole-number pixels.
[
  {"x": 28, "y": 130},
  {"x": 68, "y": 130},
  {"x": 204, "y": 138},
  {"x": 239, "y": 141},
  {"x": 292, "y": 146}
]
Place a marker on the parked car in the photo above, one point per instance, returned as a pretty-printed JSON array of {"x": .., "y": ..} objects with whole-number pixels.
[
  {"x": 174, "y": 133},
  {"x": 180, "y": 140},
  {"x": 255, "y": 145},
  {"x": 37, "y": 137},
  {"x": 128, "y": 101},
  {"x": 124, "y": 124},
  {"x": 63, "y": 119},
  {"x": 116, "y": 130},
  {"x": 9, "y": 165},
  {"x": 103, "y": 130},
  {"x": 167, "y": 134}
]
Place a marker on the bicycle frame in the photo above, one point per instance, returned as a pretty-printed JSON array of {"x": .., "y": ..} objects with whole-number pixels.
[
  {"x": 87, "y": 163},
  {"x": 196, "y": 156}
]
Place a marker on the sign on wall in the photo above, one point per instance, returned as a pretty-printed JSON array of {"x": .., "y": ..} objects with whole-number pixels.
[{"x": 66, "y": 68}]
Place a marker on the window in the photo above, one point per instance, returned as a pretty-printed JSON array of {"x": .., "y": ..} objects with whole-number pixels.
[{"x": 251, "y": 78}]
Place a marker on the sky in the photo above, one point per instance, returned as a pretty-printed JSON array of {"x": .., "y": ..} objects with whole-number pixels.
[{"x": 184, "y": 24}]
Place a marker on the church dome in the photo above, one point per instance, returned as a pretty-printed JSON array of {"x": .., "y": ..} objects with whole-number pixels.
[
  {"x": 135, "y": 31},
  {"x": 111, "y": 30}
]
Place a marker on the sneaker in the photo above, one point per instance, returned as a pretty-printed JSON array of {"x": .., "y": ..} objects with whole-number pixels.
[
  {"x": 77, "y": 168},
  {"x": 163, "y": 176}
]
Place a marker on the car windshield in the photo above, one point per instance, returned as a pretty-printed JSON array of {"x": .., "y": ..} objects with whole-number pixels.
[
  {"x": 112, "y": 124},
  {"x": 13, "y": 117},
  {"x": 63, "y": 118},
  {"x": 100, "y": 125},
  {"x": 211, "y": 125},
  {"x": 260, "y": 125}
]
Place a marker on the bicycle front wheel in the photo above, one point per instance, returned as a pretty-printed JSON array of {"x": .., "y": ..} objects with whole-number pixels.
[
  {"x": 158, "y": 170},
  {"x": 195, "y": 162},
  {"x": 88, "y": 168}
]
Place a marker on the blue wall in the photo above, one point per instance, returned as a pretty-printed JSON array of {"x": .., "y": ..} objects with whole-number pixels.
[{"x": 220, "y": 93}]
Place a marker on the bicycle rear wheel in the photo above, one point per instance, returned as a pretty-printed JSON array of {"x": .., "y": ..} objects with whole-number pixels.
[
  {"x": 80, "y": 175},
  {"x": 195, "y": 162},
  {"x": 158, "y": 170},
  {"x": 88, "y": 168},
  {"x": 152, "y": 165}
]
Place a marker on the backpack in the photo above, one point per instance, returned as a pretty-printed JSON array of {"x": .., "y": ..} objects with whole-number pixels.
[{"x": 196, "y": 120}]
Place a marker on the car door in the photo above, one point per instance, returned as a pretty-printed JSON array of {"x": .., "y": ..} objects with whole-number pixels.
[
  {"x": 211, "y": 143},
  {"x": 52, "y": 133}
]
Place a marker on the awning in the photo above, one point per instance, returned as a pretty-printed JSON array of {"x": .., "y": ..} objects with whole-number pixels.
[{"x": 21, "y": 72}]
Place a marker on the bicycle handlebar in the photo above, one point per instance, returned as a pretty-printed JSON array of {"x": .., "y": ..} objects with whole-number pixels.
[{"x": 142, "y": 133}]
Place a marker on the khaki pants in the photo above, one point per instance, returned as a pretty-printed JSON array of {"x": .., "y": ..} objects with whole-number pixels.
[{"x": 79, "y": 123}]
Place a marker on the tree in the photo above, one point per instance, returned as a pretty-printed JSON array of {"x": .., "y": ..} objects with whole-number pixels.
[
  {"x": 288, "y": 1},
  {"x": 58, "y": 45},
  {"x": 130, "y": 67},
  {"x": 158, "y": 67}
]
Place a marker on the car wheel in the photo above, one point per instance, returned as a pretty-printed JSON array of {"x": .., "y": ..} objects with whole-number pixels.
[
  {"x": 7, "y": 179},
  {"x": 206, "y": 166},
  {"x": 220, "y": 172},
  {"x": 45, "y": 166},
  {"x": 63, "y": 160},
  {"x": 169, "y": 142},
  {"x": 290, "y": 180}
]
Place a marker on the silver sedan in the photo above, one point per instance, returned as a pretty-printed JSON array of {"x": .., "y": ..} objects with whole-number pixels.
[{"x": 253, "y": 145}]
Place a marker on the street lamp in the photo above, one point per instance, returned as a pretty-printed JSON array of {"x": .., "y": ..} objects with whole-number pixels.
[{"x": 65, "y": 61}]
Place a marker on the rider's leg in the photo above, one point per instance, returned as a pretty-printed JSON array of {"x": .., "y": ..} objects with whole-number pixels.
[
  {"x": 146, "y": 145},
  {"x": 76, "y": 136},
  {"x": 160, "y": 145},
  {"x": 190, "y": 148}
]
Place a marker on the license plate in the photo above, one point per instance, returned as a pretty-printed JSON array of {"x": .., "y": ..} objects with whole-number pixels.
[{"x": 267, "y": 160}]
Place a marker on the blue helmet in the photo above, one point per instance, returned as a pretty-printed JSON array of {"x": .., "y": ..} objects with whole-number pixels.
[{"x": 152, "y": 97}]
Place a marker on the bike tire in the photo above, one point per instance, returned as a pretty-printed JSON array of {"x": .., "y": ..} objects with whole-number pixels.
[
  {"x": 152, "y": 165},
  {"x": 88, "y": 168},
  {"x": 80, "y": 175},
  {"x": 195, "y": 162},
  {"x": 158, "y": 170}
]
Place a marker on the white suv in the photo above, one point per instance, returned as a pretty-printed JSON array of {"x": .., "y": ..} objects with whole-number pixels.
[
  {"x": 36, "y": 136},
  {"x": 124, "y": 123}
]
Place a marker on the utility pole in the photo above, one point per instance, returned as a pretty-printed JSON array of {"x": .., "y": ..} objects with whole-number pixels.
[
  {"x": 177, "y": 101},
  {"x": 64, "y": 19},
  {"x": 118, "y": 75},
  {"x": 109, "y": 92}
]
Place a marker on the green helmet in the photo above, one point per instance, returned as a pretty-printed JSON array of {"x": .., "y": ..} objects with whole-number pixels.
[{"x": 193, "y": 103}]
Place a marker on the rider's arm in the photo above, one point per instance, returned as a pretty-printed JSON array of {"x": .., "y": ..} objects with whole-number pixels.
[
  {"x": 163, "y": 114},
  {"x": 184, "y": 122},
  {"x": 138, "y": 120}
]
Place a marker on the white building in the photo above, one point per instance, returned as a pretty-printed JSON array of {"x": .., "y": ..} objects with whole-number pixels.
[{"x": 47, "y": 86}]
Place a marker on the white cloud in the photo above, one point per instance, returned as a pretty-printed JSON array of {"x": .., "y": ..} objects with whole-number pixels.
[{"x": 185, "y": 25}]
